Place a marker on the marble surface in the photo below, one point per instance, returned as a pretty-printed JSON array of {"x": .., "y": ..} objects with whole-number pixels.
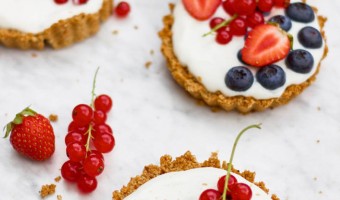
[{"x": 297, "y": 153}]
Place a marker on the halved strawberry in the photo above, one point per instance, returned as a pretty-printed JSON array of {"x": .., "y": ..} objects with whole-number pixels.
[
  {"x": 201, "y": 9},
  {"x": 265, "y": 45}
]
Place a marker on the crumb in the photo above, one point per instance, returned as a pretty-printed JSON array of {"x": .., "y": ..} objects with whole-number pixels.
[
  {"x": 318, "y": 141},
  {"x": 47, "y": 190},
  {"x": 319, "y": 108},
  {"x": 205, "y": 184},
  {"x": 53, "y": 117},
  {"x": 315, "y": 178},
  {"x": 136, "y": 27},
  {"x": 59, "y": 197},
  {"x": 320, "y": 192},
  {"x": 115, "y": 32},
  {"x": 34, "y": 55},
  {"x": 199, "y": 79},
  {"x": 148, "y": 64},
  {"x": 57, "y": 179},
  {"x": 152, "y": 52}
]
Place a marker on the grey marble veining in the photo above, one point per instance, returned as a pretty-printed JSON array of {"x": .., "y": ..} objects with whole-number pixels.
[{"x": 297, "y": 153}]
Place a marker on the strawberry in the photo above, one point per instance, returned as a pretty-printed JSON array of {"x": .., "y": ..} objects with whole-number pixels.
[
  {"x": 265, "y": 45},
  {"x": 31, "y": 134},
  {"x": 201, "y": 9}
]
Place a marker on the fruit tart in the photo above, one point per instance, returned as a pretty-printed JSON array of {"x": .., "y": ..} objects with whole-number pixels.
[
  {"x": 244, "y": 55},
  {"x": 57, "y": 23}
]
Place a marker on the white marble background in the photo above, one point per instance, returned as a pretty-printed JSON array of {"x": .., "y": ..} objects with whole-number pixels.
[{"x": 297, "y": 153}]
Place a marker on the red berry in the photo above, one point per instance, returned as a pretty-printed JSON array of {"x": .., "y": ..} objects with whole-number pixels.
[
  {"x": 221, "y": 182},
  {"x": 215, "y": 21},
  {"x": 122, "y": 9},
  {"x": 255, "y": 19},
  {"x": 228, "y": 6},
  {"x": 95, "y": 153},
  {"x": 223, "y": 36},
  {"x": 103, "y": 103},
  {"x": 104, "y": 143},
  {"x": 238, "y": 26},
  {"x": 60, "y": 1},
  {"x": 210, "y": 194},
  {"x": 281, "y": 3},
  {"x": 76, "y": 152},
  {"x": 245, "y": 7},
  {"x": 87, "y": 183},
  {"x": 70, "y": 171},
  {"x": 82, "y": 115},
  {"x": 99, "y": 129},
  {"x": 79, "y": 2},
  {"x": 93, "y": 165},
  {"x": 241, "y": 191},
  {"x": 74, "y": 127},
  {"x": 74, "y": 136},
  {"x": 99, "y": 117},
  {"x": 265, "y": 5},
  {"x": 201, "y": 10}
]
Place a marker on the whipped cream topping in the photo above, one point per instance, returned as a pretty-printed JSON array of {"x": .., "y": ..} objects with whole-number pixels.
[
  {"x": 34, "y": 16},
  {"x": 185, "y": 185},
  {"x": 210, "y": 61}
]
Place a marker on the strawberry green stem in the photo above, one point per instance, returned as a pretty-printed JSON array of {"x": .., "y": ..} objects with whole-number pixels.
[
  {"x": 18, "y": 120},
  {"x": 93, "y": 94},
  {"x": 222, "y": 24},
  {"x": 224, "y": 197}
]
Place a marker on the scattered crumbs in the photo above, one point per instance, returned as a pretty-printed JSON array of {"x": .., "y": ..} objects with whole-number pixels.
[
  {"x": 57, "y": 179},
  {"x": 319, "y": 108},
  {"x": 152, "y": 52},
  {"x": 59, "y": 197},
  {"x": 115, "y": 32},
  {"x": 215, "y": 109},
  {"x": 205, "y": 184},
  {"x": 320, "y": 192},
  {"x": 47, "y": 190},
  {"x": 318, "y": 141},
  {"x": 136, "y": 27},
  {"x": 148, "y": 64},
  {"x": 315, "y": 178},
  {"x": 34, "y": 55},
  {"x": 53, "y": 117},
  {"x": 200, "y": 103},
  {"x": 199, "y": 79}
]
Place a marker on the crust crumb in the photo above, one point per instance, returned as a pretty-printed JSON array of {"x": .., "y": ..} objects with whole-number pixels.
[
  {"x": 47, "y": 190},
  {"x": 152, "y": 52},
  {"x": 34, "y": 55},
  {"x": 57, "y": 179},
  {"x": 53, "y": 117},
  {"x": 148, "y": 64},
  {"x": 115, "y": 32},
  {"x": 59, "y": 197},
  {"x": 136, "y": 27}
]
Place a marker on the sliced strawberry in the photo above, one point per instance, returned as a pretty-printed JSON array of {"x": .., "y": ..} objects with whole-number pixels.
[
  {"x": 201, "y": 9},
  {"x": 265, "y": 45}
]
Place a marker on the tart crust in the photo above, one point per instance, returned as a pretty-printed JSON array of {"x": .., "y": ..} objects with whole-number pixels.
[
  {"x": 60, "y": 34},
  {"x": 242, "y": 104},
  {"x": 182, "y": 163}
]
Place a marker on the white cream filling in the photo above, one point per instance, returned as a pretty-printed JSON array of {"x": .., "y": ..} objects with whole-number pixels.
[
  {"x": 188, "y": 185},
  {"x": 34, "y": 16},
  {"x": 209, "y": 61}
]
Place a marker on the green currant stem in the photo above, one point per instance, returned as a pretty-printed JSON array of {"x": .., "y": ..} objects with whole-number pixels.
[
  {"x": 222, "y": 24},
  {"x": 89, "y": 132},
  {"x": 224, "y": 197}
]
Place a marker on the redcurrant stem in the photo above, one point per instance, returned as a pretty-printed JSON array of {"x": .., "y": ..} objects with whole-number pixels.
[
  {"x": 89, "y": 132},
  {"x": 220, "y": 25},
  {"x": 224, "y": 197}
]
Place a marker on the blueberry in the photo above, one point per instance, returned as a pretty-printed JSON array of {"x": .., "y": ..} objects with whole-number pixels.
[
  {"x": 300, "y": 12},
  {"x": 283, "y": 21},
  {"x": 310, "y": 37},
  {"x": 300, "y": 61},
  {"x": 271, "y": 77},
  {"x": 239, "y": 79},
  {"x": 239, "y": 56}
]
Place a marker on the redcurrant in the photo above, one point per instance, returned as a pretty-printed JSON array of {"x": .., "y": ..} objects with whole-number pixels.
[
  {"x": 74, "y": 136},
  {"x": 99, "y": 117},
  {"x": 265, "y": 5},
  {"x": 87, "y": 183},
  {"x": 210, "y": 194},
  {"x": 104, "y": 143},
  {"x": 79, "y": 2},
  {"x": 93, "y": 165},
  {"x": 228, "y": 6},
  {"x": 95, "y": 153},
  {"x": 238, "y": 26},
  {"x": 221, "y": 182},
  {"x": 223, "y": 36},
  {"x": 103, "y": 102},
  {"x": 281, "y": 3},
  {"x": 73, "y": 127},
  {"x": 255, "y": 19},
  {"x": 215, "y": 21},
  {"x": 70, "y": 171},
  {"x": 82, "y": 115},
  {"x": 76, "y": 152},
  {"x": 122, "y": 9},
  {"x": 60, "y": 1},
  {"x": 245, "y": 7},
  {"x": 99, "y": 129},
  {"x": 240, "y": 191}
]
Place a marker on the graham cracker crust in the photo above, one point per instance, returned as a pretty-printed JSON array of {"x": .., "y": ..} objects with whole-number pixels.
[
  {"x": 61, "y": 34},
  {"x": 182, "y": 163},
  {"x": 216, "y": 99}
]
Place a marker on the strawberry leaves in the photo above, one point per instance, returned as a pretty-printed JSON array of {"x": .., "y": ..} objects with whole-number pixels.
[{"x": 18, "y": 120}]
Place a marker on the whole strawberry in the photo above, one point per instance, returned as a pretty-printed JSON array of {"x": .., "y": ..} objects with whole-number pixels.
[{"x": 31, "y": 135}]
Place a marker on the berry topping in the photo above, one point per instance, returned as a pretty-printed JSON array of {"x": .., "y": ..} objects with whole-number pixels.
[
  {"x": 283, "y": 21},
  {"x": 238, "y": 26},
  {"x": 271, "y": 77},
  {"x": 265, "y": 5},
  {"x": 122, "y": 9},
  {"x": 216, "y": 21},
  {"x": 300, "y": 61},
  {"x": 228, "y": 6},
  {"x": 80, "y": 2},
  {"x": 221, "y": 184},
  {"x": 223, "y": 37},
  {"x": 300, "y": 12},
  {"x": 201, "y": 9},
  {"x": 241, "y": 191},
  {"x": 310, "y": 37},
  {"x": 255, "y": 19},
  {"x": 31, "y": 134},
  {"x": 245, "y": 7},
  {"x": 281, "y": 3},
  {"x": 239, "y": 79},
  {"x": 60, "y": 1},
  {"x": 265, "y": 45},
  {"x": 239, "y": 56},
  {"x": 210, "y": 194}
]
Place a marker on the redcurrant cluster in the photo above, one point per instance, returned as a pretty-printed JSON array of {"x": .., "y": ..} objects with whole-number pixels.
[
  {"x": 77, "y": 2},
  {"x": 246, "y": 14},
  {"x": 236, "y": 191}
]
